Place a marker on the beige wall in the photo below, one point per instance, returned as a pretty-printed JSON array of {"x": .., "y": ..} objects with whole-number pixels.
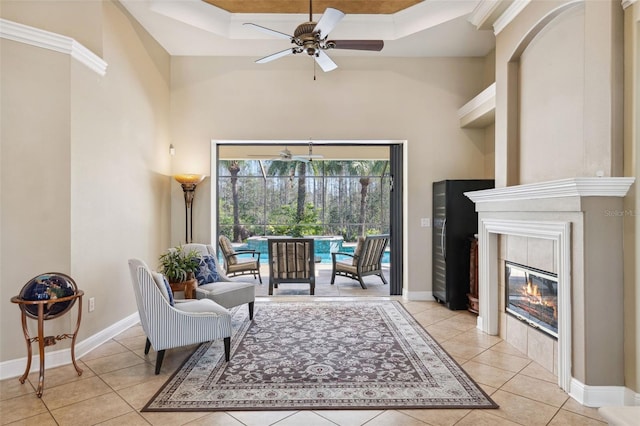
[
  {"x": 366, "y": 98},
  {"x": 594, "y": 101},
  {"x": 84, "y": 167},
  {"x": 632, "y": 201},
  {"x": 35, "y": 177},
  {"x": 551, "y": 78}
]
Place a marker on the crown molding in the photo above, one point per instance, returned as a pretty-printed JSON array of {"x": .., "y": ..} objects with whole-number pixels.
[
  {"x": 58, "y": 43},
  {"x": 628, "y": 3},
  {"x": 509, "y": 15},
  {"x": 486, "y": 12},
  {"x": 572, "y": 187}
]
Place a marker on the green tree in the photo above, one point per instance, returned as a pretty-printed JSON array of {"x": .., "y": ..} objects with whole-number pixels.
[
  {"x": 366, "y": 169},
  {"x": 292, "y": 169},
  {"x": 234, "y": 167}
]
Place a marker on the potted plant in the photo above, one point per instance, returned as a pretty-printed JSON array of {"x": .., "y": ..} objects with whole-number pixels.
[{"x": 180, "y": 266}]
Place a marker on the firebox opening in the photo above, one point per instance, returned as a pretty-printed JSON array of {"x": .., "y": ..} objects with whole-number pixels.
[{"x": 532, "y": 297}]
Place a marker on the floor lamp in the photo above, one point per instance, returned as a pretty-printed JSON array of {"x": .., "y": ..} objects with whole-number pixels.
[{"x": 189, "y": 183}]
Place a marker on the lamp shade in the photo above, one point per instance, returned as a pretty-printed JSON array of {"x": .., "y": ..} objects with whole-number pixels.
[{"x": 189, "y": 178}]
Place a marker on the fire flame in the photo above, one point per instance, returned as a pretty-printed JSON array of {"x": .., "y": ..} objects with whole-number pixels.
[{"x": 535, "y": 296}]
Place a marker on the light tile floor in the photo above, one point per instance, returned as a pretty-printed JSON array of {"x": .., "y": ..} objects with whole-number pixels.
[{"x": 119, "y": 379}]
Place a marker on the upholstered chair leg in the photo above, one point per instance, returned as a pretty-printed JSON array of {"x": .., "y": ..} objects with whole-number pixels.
[
  {"x": 147, "y": 346},
  {"x": 251, "y": 310},
  {"x": 271, "y": 288},
  {"x": 259, "y": 277},
  {"x": 159, "y": 359},
  {"x": 383, "y": 280},
  {"x": 227, "y": 349}
]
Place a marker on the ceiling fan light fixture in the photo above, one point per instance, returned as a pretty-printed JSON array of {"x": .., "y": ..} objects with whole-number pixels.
[{"x": 311, "y": 37}]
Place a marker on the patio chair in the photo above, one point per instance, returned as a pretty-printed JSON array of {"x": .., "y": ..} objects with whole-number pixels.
[
  {"x": 291, "y": 260},
  {"x": 233, "y": 265},
  {"x": 366, "y": 259},
  {"x": 170, "y": 323}
]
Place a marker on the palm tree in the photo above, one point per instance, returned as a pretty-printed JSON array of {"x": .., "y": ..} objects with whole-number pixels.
[
  {"x": 366, "y": 169},
  {"x": 290, "y": 168},
  {"x": 234, "y": 169}
]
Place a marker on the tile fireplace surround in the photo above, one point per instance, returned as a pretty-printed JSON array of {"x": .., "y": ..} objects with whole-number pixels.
[{"x": 583, "y": 219}]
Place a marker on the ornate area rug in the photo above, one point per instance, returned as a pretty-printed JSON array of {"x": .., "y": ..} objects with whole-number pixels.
[{"x": 321, "y": 355}]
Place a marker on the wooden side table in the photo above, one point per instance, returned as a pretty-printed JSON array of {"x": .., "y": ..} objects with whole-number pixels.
[
  {"x": 48, "y": 340},
  {"x": 189, "y": 288}
]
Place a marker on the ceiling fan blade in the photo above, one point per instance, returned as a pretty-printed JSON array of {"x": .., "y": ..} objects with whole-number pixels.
[
  {"x": 328, "y": 21},
  {"x": 269, "y": 31},
  {"x": 325, "y": 61},
  {"x": 373, "y": 45},
  {"x": 274, "y": 56}
]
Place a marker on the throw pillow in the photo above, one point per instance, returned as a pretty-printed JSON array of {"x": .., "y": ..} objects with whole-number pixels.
[
  {"x": 207, "y": 273},
  {"x": 163, "y": 286},
  {"x": 172, "y": 302}
]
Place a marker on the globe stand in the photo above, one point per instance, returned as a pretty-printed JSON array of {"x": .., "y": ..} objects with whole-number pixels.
[{"x": 26, "y": 308}]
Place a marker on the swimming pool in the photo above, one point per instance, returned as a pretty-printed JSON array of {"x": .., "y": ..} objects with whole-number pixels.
[{"x": 324, "y": 245}]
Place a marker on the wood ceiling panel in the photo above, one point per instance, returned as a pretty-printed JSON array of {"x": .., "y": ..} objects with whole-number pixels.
[{"x": 302, "y": 6}]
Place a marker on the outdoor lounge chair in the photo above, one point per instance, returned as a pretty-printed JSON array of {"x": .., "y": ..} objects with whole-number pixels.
[
  {"x": 367, "y": 259},
  {"x": 233, "y": 265},
  {"x": 291, "y": 260}
]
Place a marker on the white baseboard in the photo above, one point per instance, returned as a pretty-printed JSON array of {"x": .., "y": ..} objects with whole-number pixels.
[
  {"x": 599, "y": 396},
  {"x": 15, "y": 367},
  {"x": 418, "y": 295}
]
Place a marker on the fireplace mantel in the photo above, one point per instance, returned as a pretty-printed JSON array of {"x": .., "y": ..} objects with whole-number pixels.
[
  {"x": 572, "y": 187},
  {"x": 583, "y": 216}
]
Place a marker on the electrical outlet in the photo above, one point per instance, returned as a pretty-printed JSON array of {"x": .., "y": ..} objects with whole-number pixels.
[
  {"x": 92, "y": 304},
  {"x": 425, "y": 222}
]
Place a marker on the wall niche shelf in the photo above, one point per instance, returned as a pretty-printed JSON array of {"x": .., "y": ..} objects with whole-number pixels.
[{"x": 480, "y": 111}]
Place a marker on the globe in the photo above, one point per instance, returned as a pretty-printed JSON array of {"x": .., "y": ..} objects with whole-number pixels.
[{"x": 49, "y": 286}]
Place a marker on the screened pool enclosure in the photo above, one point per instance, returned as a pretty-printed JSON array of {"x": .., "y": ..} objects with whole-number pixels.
[{"x": 294, "y": 198}]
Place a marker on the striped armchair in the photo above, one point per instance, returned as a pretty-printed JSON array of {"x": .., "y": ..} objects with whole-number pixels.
[{"x": 171, "y": 324}]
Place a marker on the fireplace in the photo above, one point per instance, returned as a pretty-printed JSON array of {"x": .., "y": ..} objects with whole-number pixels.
[
  {"x": 532, "y": 297},
  {"x": 573, "y": 215}
]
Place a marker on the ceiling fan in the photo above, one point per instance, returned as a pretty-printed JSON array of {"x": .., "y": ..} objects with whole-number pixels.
[
  {"x": 286, "y": 155},
  {"x": 311, "y": 38}
]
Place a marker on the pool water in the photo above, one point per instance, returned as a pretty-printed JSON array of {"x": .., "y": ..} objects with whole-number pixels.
[{"x": 325, "y": 257}]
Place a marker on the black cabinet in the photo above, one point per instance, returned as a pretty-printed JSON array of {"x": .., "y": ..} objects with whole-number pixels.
[{"x": 454, "y": 221}]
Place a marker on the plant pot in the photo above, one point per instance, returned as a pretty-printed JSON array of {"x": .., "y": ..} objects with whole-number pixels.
[{"x": 188, "y": 287}]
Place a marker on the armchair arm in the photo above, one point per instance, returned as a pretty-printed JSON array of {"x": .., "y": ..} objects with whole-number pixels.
[
  {"x": 248, "y": 251},
  {"x": 344, "y": 254},
  {"x": 333, "y": 256}
]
